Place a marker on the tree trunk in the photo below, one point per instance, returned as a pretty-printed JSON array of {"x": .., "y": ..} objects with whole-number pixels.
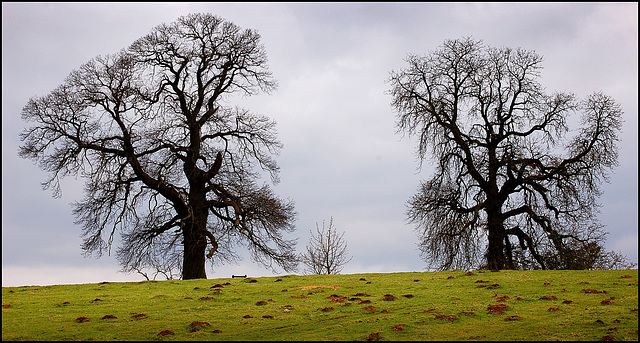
[
  {"x": 195, "y": 245},
  {"x": 496, "y": 249}
]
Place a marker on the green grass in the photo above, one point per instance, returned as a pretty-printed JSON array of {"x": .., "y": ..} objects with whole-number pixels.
[{"x": 427, "y": 306}]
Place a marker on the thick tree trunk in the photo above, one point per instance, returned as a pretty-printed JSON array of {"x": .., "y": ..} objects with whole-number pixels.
[
  {"x": 496, "y": 259},
  {"x": 193, "y": 260},
  {"x": 195, "y": 245}
]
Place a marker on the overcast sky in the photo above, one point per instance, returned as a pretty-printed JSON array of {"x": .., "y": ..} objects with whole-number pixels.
[{"x": 342, "y": 157}]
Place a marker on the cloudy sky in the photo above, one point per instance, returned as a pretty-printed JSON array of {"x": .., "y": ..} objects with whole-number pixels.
[{"x": 342, "y": 157}]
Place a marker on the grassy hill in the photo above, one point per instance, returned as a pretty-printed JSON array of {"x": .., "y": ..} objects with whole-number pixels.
[{"x": 453, "y": 305}]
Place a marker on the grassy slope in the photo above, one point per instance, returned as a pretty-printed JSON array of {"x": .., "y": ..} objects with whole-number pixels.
[{"x": 445, "y": 306}]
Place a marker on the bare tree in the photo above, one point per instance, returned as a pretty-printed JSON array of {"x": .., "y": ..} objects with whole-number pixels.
[
  {"x": 168, "y": 161},
  {"x": 513, "y": 186},
  {"x": 327, "y": 251}
]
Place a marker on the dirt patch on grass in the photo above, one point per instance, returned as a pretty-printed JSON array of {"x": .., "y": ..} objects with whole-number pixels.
[
  {"x": 82, "y": 319},
  {"x": 373, "y": 337},
  {"x": 497, "y": 309},
  {"x": 165, "y": 333},
  {"x": 593, "y": 291},
  {"x": 398, "y": 327},
  {"x": 109, "y": 316},
  {"x": 370, "y": 309},
  {"x": 138, "y": 315},
  {"x": 319, "y": 286}
]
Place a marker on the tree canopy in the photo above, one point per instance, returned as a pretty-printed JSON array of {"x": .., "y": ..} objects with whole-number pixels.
[
  {"x": 516, "y": 182},
  {"x": 168, "y": 161}
]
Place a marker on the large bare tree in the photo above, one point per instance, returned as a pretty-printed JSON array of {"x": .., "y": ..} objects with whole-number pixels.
[
  {"x": 514, "y": 186},
  {"x": 168, "y": 160}
]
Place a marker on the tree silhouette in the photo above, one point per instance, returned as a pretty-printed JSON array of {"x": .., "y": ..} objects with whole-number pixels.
[
  {"x": 326, "y": 252},
  {"x": 168, "y": 161},
  {"x": 513, "y": 186}
]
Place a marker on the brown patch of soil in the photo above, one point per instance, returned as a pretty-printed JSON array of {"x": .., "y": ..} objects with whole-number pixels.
[
  {"x": 96, "y": 299},
  {"x": 429, "y": 310},
  {"x": 364, "y": 302},
  {"x": 312, "y": 287},
  {"x": 469, "y": 273},
  {"x": 268, "y": 316},
  {"x": 606, "y": 302},
  {"x": 253, "y": 281},
  {"x": 497, "y": 309},
  {"x": 138, "y": 315},
  {"x": 371, "y": 309},
  {"x": 626, "y": 276},
  {"x": 188, "y": 297},
  {"x": 165, "y": 332},
  {"x": 552, "y": 309},
  {"x": 217, "y": 285},
  {"x": 481, "y": 281},
  {"x": 445, "y": 317},
  {"x": 362, "y": 295},
  {"x": 6, "y": 305},
  {"x": 109, "y": 316},
  {"x": 327, "y": 309},
  {"x": 373, "y": 337},
  {"x": 300, "y": 296},
  {"x": 66, "y": 303},
  {"x": 398, "y": 327},
  {"x": 546, "y": 284},
  {"x": 335, "y": 298},
  {"x": 409, "y": 296},
  {"x": 599, "y": 321},
  {"x": 501, "y": 298},
  {"x": 207, "y": 298},
  {"x": 519, "y": 298},
  {"x": 514, "y": 317},
  {"x": 568, "y": 302},
  {"x": 82, "y": 319},
  {"x": 451, "y": 277},
  {"x": 247, "y": 316},
  {"x": 589, "y": 290},
  {"x": 495, "y": 285},
  {"x": 217, "y": 331},
  {"x": 384, "y": 311},
  {"x": 548, "y": 297},
  {"x": 389, "y": 297},
  {"x": 609, "y": 338}
]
